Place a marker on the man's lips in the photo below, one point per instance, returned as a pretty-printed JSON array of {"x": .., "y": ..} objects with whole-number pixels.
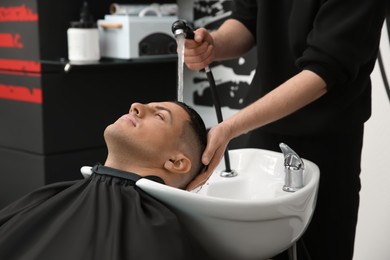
[{"x": 130, "y": 118}]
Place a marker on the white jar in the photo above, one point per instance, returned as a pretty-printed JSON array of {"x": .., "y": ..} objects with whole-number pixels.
[
  {"x": 83, "y": 38},
  {"x": 83, "y": 44}
]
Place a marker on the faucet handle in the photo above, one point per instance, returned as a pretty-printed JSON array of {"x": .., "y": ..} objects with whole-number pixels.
[
  {"x": 291, "y": 158},
  {"x": 293, "y": 167}
]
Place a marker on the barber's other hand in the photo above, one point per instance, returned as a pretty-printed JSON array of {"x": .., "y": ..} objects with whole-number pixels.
[
  {"x": 199, "y": 53},
  {"x": 217, "y": 141}
]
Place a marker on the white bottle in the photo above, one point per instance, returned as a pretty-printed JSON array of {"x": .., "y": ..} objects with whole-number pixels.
[{"x": 83, "y": 38}]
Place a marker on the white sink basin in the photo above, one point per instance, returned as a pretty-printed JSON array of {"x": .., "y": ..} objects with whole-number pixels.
[{"x": 248, "y": 216}]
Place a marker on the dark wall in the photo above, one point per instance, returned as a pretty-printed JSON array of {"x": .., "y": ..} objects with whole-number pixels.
[{"x": 52, "y": 120}]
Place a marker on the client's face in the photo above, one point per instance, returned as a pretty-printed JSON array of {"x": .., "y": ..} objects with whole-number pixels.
[{"x": 148, "y": 130}]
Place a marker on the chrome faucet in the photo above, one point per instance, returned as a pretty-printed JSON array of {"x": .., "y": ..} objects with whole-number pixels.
[{"x": 293, "y": 167}]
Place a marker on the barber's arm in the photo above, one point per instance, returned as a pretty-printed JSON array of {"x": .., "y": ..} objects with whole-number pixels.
[{"x": 289, "y": 97}]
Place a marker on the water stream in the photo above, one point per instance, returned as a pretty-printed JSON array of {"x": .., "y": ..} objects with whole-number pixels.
[{"x": 180, "y": 66}]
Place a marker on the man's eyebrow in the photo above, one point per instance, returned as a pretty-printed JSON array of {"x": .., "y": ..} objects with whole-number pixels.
[{"x": 164, "y": 108}]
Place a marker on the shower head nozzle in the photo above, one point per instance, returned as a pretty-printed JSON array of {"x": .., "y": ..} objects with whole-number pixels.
[{"x": 181, "y": 27}]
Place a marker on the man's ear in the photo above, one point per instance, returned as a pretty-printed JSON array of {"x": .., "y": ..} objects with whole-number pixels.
[{"x": 178, "y": 164}]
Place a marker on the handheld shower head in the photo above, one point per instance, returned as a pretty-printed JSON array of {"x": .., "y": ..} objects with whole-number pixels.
[{"x": 181, "y": 27}]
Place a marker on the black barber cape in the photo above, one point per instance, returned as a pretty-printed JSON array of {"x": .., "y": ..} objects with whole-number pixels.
[{"x": 104, "y": 217}]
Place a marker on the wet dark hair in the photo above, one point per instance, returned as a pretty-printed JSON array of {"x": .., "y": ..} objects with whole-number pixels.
[{"x": 197, "y": 124}]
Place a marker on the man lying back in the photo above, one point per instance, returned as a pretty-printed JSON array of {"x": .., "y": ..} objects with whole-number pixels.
[{"x": 106, "y": 217}]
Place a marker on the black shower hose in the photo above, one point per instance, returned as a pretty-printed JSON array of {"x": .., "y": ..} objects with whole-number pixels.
[{"x": 380, "y": 62}]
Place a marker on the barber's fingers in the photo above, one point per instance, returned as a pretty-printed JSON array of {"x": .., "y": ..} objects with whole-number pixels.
[
  {"x": 198, "y": 181},
  {"x": 200, "y": 60},
  {"x": 199, "y": 52},
  {"x": 203, "y": 35},
  {"x": 215, "y": 160},
  {"x": 205, "y": 175},
  {"x": 217, "y": 140}
]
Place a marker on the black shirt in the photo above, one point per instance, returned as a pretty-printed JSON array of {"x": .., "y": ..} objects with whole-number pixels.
[{"x": 338, "y": 40}]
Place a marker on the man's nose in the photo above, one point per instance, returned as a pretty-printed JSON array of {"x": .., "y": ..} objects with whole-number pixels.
[{"x": 137, "y": 109}]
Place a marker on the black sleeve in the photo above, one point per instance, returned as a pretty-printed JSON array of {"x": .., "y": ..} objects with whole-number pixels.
[
  {"x": 245, "y": 11},
  {"x": 345, "y": 37}
]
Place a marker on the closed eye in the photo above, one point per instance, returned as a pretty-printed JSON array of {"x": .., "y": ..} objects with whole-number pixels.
[{"x": 161, "y": 116}]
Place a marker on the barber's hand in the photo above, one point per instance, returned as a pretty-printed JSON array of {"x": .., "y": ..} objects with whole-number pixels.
[
  {"x": 199, "y": 53},
  {"x": 217, "y": 141}
]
